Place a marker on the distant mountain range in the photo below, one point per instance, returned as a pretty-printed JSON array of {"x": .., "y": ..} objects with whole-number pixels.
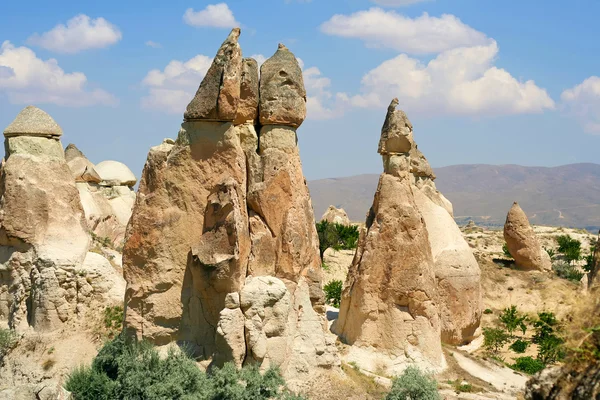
[{"x": 568, "y": 195}]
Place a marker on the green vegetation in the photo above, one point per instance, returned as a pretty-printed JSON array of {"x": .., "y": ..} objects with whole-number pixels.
[
  {"x": 488, "y": 311},
  {"x": 513, "y": 319},
  {"x": 548, "y": 338},
  {"x": 333, "y": 293},
  {"x": 589, "y": 260},
  {"x": 551, "y": 253},
  {"x": 570, "y": 248},
  {"x": 124, "y": 369},
  {"x": 567, "y": 271},
  {"x": 336, "y": 236},
  {"x": 519, "y": 346},
  {"x": 414, "y": 385},
  {"x": 8, "y": 341},
  {"x": 506, "y": 252},
  {"x": 528, "y": 365},
  {"x": 494, "y": 339},
  {"x": 113, "y": 318}
]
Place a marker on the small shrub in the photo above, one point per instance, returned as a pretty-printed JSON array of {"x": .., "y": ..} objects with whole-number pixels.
[
  {"x": 414, "y": 385},
  {"x": 513, "y": 320},
  {"x": 325, "y": 267},
  {"x": 463, "y": 387},
  {"x": 567, "y": 271},
  {"x": 548, "y": 338},
  {"x": 488, "y": 311},
  {"x": 519, "y": 346},
  {"x": 551, "y": 253},
  {"x": 570, "y": 248},
  {"x": 333, "y": 293},
  {"x": 8, "y": 341},
  {"x": 505, "y": 251},
  {"x": 494, "y": 339},
  {"x": 589, "y": 260},
  {"x": 113, "y": 320},
  {"x": 528, "y": 365}
]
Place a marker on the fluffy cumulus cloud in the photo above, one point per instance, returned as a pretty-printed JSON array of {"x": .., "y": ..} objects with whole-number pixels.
[
  {"x": 214, "y": 16},
  {"x": 171, "y": 89},
  {"x": 422, "y": 35},
  {"x": 583, "y": 102},
  {"x": 397, "y": 3},
  {"x": 458, "y": 81},
  {"x": 25, "y": 78},
  {"x": 80, "y": 33}
]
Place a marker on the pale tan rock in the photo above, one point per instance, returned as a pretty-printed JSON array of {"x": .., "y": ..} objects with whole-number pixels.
[
  {"x": 83, "y": 170},
  {"x": 32, "y": 121},
  {"x": 336, "y": 215},
  {"x": 389, "y": 311},
  {"x": 115, "y": 173},
  {"x": 522, "y": 242},
  {"x": 282, "y": 91},
  {"x": 457, "y": 273}
]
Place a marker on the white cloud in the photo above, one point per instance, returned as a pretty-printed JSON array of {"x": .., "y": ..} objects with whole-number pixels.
[
  {"x": 29, "y": 79},
  {"x": 583, "y": 102},
  {"x": 173, "y": 88},
  {"x": 459, "y": 81},
  {"x": 153, "y": 44},
  {"x": 214, "y": 15},
  {"x": 80, "y": 33},
  {"x": 260, "y": 59},
  {"x": 397, "y": 3},
  {"x": 422, "y": 35}
]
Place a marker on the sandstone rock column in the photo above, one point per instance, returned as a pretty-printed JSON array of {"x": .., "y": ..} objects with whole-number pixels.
[
  {"x": 187, "y": 243},
  {"x": 522, "y": 242},
  {"x": 457, "y": 273},
  {"x": 43, "y": 236},
  {"x": 336, "y": 216},
  {"x": 389, "y": 310}
]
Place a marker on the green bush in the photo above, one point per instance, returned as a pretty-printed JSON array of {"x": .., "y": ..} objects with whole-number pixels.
[
  {"x": 8, "y": 341},
  {"x": 348, "y": 236},
  {"x": 328, "y": 236},
  {"x": 519, "y": 346},
  {"x": 494, "y": 339},
  {"x": 513, "y": 320},
  {"x": 506, "y": 252},
  {"x": 548, "y": 338},
  {"x": 333, "y": 293},
  {"x": 570, "y": 248},
  {"x": 567, "y": 271},
  {"x": 528, "y": 365},
  {"x": 589, "y": 260},
  {"x": 414, "y": 385},
  {"x": 551, "y": 253},
  {"x": 124, "y": 369},
  {"x": 488, "y": 311}
]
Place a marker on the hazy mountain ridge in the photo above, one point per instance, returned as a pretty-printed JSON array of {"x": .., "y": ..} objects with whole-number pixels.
[{"x": 567, "y": 195}]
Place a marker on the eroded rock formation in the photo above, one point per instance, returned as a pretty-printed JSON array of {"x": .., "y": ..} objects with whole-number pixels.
[
  {"x": 522, "y": 242},
  {"x": 336, "y": 215},
  {"x": 222, "y": 251},
  {"x": 413, "y": 271},
  {"x": 47, "y": 276},
  {"x": 106, "y": 193}
]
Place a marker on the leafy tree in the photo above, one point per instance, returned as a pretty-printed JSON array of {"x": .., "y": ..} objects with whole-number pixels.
[
  {"x": 414, "y": 385},
  {"x": 494, "y": 339},
  {"x": 328, "y": 236},
  {"x": 348, "y": 236},
  {"x": 333, "y": 292},
  {"x": 570, "y": 248},
  {"x": 548, "y": 338},
  {"x": 513, "y": 319}
]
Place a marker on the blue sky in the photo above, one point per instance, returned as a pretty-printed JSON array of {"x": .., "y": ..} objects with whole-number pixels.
[{"x": 482, "y": 81}]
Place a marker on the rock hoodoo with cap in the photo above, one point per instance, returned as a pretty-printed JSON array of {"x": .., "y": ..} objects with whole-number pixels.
[
  {"x": 47, "y": 275},
  {"x": 222, "y": 250}
]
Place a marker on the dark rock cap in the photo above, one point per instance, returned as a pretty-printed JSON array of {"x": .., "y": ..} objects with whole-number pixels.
[
  {"x": 282, "y": 91},
  {"x": 32, "y": 121},
  {"x": 218, "y": 96}
]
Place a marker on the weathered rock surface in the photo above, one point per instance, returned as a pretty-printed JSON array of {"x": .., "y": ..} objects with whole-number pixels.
[
  {"x": 108, "y": 200},
  {"x": 218, "y": 96},
  {"x": 336, "y": 215},
  {"x": 248, "y": 104},
  {"x": 43, "y": 236},
  {"x": 221, "y": 250},
  {"x": 282, "y": 92},
  {"x": 114, "y": 173},
  {"x": 522, "y": 242}
]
